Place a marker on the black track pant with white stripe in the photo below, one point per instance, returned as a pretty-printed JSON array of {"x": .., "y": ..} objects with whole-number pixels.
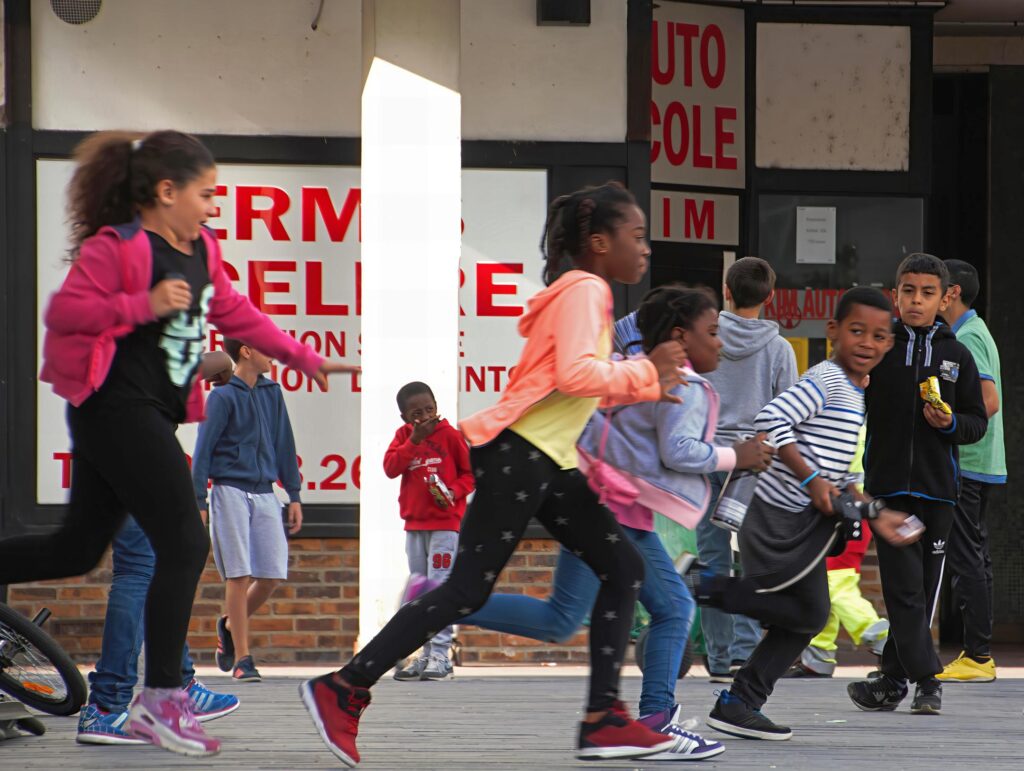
[
  {"x": 515, "y": 482},
  {"x": 911, "y": 576}
]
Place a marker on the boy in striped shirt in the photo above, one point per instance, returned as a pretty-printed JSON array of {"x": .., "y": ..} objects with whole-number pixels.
[{"x": 791, "y": 524}]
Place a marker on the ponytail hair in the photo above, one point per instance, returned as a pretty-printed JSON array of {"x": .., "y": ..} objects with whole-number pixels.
[
  {"x": 573, "y": 219},
  {"x": 667, "y": 307},
  {"x": 117, "y": 173}
]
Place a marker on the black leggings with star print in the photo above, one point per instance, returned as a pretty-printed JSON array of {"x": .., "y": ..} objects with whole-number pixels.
[{"x": 515, "y": 482}]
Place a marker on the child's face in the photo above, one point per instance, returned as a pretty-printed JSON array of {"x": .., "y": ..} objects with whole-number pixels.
[
  {"x": 861, "y": 339},
  {"x": 920, "y": 298},
  {"x": 624, "y": 252},
  {"x": 186, "y": 207},
  {"x": 702, "y": 342},
  {"x": 418, "y": 408},
  {"x": 259, "y": 362}
]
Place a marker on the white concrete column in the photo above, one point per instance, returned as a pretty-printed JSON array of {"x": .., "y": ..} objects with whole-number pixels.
[{"x": 411, "y": 205}]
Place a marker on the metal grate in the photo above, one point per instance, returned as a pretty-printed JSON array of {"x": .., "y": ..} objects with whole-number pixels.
[{"x": 76, "y": 11}]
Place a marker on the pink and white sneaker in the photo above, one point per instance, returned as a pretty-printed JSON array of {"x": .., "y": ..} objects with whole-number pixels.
[
  {"x": 168, "y": 722},
  {"x": 417, "y": 585}
]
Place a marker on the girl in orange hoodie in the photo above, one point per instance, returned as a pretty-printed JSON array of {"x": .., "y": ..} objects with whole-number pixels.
[{"x": 523, "y": 453}]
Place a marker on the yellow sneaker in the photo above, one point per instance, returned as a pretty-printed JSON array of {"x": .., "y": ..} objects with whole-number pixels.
[{"x": 966, "y": 670}]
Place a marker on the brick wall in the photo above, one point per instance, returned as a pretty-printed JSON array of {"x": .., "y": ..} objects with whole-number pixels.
[{"x": 313, "y": 617}]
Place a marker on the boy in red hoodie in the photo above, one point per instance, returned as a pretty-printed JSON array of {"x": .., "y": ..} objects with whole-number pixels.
[{"x": 433, "y": 460}]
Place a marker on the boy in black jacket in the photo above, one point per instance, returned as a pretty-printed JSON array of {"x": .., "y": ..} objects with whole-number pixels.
[{"x": 910, "y": 460}]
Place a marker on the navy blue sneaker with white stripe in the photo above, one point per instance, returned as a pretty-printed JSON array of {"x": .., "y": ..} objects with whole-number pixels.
[
  {"x": 689, "y": 745},
  {"x": 97, "y": 726},
  {"x": 209, "y": 705}
]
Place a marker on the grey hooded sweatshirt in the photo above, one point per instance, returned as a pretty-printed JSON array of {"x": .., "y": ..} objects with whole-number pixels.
[{"x": 757, "y": 364}]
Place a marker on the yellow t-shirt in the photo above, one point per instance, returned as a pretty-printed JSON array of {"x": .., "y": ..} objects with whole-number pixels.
[{"x": 554, "y": 424}]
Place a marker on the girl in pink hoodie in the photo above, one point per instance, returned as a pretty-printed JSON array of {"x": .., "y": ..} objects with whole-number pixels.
[
  {"x": 124, "y": 338},
  {"x": 523, "y": 452}
]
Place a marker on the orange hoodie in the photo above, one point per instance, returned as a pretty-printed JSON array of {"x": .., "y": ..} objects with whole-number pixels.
[{"x": 562, "y": 325}]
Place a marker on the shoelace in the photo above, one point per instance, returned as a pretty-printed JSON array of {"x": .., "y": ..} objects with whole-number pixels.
[{"x": 351, "y": 703}]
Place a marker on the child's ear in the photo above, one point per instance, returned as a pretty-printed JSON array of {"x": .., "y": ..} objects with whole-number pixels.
[
  {"x": 599, "y": 243},
  {"x": 832, "y": 329}
]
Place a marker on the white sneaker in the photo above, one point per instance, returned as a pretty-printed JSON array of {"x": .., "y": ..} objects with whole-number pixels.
[
  {"x": 438, "y": 668},
  {"x": 689, "y": 744},
  {"x": 414, "y": 671}
]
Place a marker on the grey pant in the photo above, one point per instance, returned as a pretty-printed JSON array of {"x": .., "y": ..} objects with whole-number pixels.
[{"x": 432, "y": 553}]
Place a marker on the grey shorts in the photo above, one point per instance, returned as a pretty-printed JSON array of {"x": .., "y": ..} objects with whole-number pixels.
[{"x": 248, "y": 534}]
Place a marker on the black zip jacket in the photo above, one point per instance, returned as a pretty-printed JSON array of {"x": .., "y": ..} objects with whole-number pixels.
[{"x": 903, "y": 454}]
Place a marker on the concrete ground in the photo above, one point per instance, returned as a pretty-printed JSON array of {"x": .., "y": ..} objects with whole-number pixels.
[{"x": 525, "y": 718}]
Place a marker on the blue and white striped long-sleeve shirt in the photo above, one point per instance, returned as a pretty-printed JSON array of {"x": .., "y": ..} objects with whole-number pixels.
[{"x": 822, "y": 413}]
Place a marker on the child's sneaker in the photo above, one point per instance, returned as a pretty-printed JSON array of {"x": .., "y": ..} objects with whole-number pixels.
[
  {"x": 438, "y": 668},
  {"x": 689, "y": 745},
  {"x": 97, "y": 726},
  {"x": 964, "y": 669},
  {"x": 881, "y": 694},
  {"x": 617, "y": 736},
  {"x": 735, "y": 717},
  {"x": 246, "y": 672},
  {"x": 418, "y": 585},
  {"x": 927, "y": 698},
  {"x": 167, "y": 721},
  {"x": 414, "y": 671},
  {"x": 336, "y": 710},
  {"x": 225, "y": 645},
  {"x": 207, "y": 704}
]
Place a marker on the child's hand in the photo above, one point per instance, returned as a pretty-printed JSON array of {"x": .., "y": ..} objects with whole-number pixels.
[
  {"x": 754, "y": 453},
  {"x": 937, "y": 418},
  {"x": 668, "y": 358},
  {"x": 423, "y": 429},
  {"x": 888, "y": 525},
  {"x": 169, "y": 297},
  {"x": 294, "y": 517},
  {"x": 331, "y": 368},
  {"x": 204, "y": 515},
  {"x": 822, "y": 492}
]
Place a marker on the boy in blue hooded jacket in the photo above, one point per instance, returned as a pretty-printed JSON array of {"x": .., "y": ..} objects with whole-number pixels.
[{"x": 244, "y": 446}]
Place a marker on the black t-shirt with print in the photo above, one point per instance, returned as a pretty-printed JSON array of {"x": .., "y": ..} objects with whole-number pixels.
[{"x": 156, "y": 363}]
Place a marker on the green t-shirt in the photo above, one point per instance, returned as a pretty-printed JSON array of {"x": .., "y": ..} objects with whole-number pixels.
[{"x": 984, "y": 461}]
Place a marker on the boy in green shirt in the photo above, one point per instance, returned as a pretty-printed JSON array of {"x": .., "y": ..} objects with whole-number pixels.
[{"x": 982, "y": 465}]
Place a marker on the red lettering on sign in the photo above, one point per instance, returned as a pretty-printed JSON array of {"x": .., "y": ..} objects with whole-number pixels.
[
  {"x": 64, "y": 458},
  {"x": 259, "y": 287},
  {"x": 486, "y": 289},
  {"x": 701, "y": 160},
  {"x": 724, "y": 138},
  {"x": 221, "y": 233},
  {"x": 315, "y": 305},
  {"x": 699, "y": 224},
  {"x": 712, "y": 34},
  {"x": 246, "y": 214},
  {"x": 318, "y": 200}
]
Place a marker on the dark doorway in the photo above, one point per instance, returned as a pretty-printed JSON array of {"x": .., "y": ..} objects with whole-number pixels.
[{"x": 958, "y": 212}]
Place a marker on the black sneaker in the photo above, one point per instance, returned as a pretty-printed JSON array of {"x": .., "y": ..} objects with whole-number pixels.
[
  {"x": 927, "y": 698},
  {"x": 246, "y": 672},
  {"x": 733, "y": 716},
  {"x": 225, "y": 645},
  {"x": 883, "y": 694}
]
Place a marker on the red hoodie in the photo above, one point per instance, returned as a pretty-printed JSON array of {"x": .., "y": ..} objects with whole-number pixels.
[{"x": 444, "y": 453}]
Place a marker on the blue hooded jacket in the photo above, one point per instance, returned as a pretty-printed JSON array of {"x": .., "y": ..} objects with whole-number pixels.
[{"x": 246, "y": 441}]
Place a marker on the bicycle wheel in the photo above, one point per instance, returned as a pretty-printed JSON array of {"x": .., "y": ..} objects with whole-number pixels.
[{"x": 34, "y": 669}]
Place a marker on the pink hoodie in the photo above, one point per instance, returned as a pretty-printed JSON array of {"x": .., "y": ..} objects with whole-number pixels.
[
  {"x": 562, "y": 325},
  {"x": 106, "y": 295}
]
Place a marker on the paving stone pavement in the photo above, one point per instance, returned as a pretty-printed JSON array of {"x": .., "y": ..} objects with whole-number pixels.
[{"x": 485, "y": 722}]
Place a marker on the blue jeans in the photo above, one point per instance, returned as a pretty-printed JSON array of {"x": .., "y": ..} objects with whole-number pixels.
[
  {"x": 727, "y": 637},
  {"x": 117, "y": 671},
  {"x": 575, "y": 588}
]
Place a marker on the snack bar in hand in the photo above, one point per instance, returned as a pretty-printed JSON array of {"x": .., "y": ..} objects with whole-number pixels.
[
  {"x": 440, "y": 491},
  {"x": 931, "y": 394}
]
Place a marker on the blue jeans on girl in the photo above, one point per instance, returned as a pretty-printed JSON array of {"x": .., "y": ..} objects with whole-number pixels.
[
  {"x": 575, "y": 588},
  {"x": 110, "y": 686}
]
